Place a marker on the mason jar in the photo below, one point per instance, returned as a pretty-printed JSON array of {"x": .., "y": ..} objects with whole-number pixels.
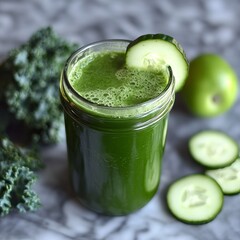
[{"x": 114, "y": 153}]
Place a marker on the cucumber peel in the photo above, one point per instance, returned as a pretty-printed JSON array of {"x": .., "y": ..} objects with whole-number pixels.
[{"x": 156, "y": 52}]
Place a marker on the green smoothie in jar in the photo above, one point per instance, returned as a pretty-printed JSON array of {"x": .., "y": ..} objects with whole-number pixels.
[{"x": 116, "y": 124}]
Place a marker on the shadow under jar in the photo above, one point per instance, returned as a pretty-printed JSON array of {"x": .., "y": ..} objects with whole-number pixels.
[{"x": 114, "y": 153}]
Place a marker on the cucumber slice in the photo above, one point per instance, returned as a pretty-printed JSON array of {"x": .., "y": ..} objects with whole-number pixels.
[
  {"x": 213, "y": 149},
  {"x": 228, "y": 178},
  {"x": 195, "y": 199},
  {"x": 157, "y": 52}
]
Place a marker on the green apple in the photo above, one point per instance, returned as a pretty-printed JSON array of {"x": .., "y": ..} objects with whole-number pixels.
[{"x": 211, "y": 87}]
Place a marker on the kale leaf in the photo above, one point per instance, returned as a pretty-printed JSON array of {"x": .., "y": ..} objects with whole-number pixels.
[
  {"x": 17, "y": 177},
  {"x": 29, "y": 83}
]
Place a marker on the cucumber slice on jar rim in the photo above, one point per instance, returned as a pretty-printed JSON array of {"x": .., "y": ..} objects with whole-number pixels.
[
  {"x": 228, "y": 178},
  {"x": 213, "y": 149},
  {"x": 195, "y": 199},
  {"x": 155, "y": 52}
]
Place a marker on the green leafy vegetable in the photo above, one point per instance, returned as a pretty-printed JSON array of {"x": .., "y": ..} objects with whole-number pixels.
[
  {"x": 17, "y": 178},
  {"x": 29, "y": 80}
]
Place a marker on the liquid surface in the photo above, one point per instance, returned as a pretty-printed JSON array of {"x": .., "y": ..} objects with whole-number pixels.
[{"x": 102, "y": 78}]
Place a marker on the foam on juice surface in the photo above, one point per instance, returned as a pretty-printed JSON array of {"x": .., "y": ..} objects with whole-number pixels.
[{"x": 103, "y": 79}]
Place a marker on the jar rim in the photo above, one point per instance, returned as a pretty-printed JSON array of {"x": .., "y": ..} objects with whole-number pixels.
[{"x": 73, "y": 96}]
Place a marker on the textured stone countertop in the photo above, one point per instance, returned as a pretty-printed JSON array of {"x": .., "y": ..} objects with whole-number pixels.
[{"x": 200, "y": 26}]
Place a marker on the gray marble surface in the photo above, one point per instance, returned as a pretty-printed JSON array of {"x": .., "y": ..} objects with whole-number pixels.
[{"x": 200, "y": 26}]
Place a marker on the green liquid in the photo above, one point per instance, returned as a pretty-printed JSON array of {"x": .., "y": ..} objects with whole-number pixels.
[
  {"x": 102, "y": 79},
  {"x": 115, "y": 163}
]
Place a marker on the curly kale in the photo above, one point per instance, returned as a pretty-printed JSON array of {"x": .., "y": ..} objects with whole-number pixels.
[
  {"x": 17, "y": 178},
  {"x": 29, "y": 83}
]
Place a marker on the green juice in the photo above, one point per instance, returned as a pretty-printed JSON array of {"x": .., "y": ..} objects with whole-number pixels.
[
  {"x": 116, "y": 124},
  {"x": 103, "y": 79}
]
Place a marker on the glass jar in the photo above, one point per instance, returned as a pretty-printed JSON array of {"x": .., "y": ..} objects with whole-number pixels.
[{"x": 114, "y": 153}]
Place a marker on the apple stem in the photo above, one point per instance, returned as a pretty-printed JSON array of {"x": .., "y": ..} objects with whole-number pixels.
[{"x": 216, "y": 99}]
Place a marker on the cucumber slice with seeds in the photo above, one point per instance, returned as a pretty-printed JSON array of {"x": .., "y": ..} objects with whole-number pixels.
[
  {"x": 195, "y": 199},
  {"x": 157, "y": 52},
  {"x": 213, "y": 149},
  {"x": 228, "y": 178}
]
